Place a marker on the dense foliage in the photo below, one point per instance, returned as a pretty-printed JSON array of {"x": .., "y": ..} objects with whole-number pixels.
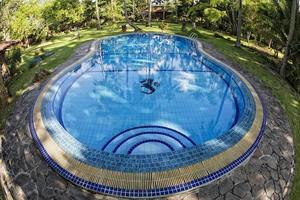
[{"x": 265, "y": 22}]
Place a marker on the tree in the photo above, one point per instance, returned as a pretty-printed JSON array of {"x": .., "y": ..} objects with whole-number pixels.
[
  {"x": 149, "y": 12},
  {"x": 28, "y": 22},
  {"x": 133, "y": 9},
  {"x": 239, "y": 25},
  {"x": 172, "y": 6},
  {"x": 4, "y": 71},
  {"x": 193, "y": 12},
  {"x": 98, "y": 15},
  {"x": 7, "y": 10},
  {"x": 64, "y": 15},
  {"x": 89, "y": 12},
  {"x": 136, "y": 28},
  {"x": 214, "y": 13},
  {"x": 112, "y": 11},
  {"x": 3, "y": 92},
  {"x": 164, "y": 10},
  {"x": 183, "y": 10},
  {"x": 290, "y": 37},
  {"x": 232, "y": 19}
]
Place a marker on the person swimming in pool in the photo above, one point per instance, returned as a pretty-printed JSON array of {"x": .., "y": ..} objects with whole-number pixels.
[{"x": 150, "y": 85}]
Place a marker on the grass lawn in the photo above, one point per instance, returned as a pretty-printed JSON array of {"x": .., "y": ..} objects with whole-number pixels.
[
  {"x": 253, "y": 62},
  {"x": 250, "y": 59}
]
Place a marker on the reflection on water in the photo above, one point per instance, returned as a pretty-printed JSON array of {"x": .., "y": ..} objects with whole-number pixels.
[{"x": 187, "y": 96}]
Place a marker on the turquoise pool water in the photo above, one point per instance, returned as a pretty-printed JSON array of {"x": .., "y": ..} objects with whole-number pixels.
[
  {"x": 146, "y": 115},
  {"x": 146, "y": 94}
]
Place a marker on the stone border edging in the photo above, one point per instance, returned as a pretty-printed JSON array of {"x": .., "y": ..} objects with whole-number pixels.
[{"x": 267, "y": 175}]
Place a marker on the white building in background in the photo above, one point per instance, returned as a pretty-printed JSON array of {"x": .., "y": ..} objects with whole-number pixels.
[{"x": 162, "y": 2}]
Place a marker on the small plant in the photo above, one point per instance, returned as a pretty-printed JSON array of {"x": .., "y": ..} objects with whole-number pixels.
[
  {"x": 124, "y": 28},
  {"x": 37, "y": 53},
  {"x": 163, "y": 26},
  {"x": 35, "y": 61},
  {"x": 14, "y": 59},
  {"x": 114, "y": 27},
  {"x": 218, "y": 35},
  {"x": 40, "y": 75}
]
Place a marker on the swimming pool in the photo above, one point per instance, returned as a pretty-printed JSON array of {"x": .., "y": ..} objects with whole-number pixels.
[{"x": 146, "y": 115}]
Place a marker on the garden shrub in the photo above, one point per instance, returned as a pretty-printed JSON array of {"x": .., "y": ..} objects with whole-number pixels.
[
  {"x": 14, "y": 57},
  {"x": 163, "y": 26},
  {"x": 124, "y": 28}
]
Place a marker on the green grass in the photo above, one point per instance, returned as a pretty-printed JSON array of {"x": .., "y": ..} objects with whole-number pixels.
[
  {"x": 62, "y": 45},
  {"x": 256, "y": 64},
  {"x": 249, "y": 59}
]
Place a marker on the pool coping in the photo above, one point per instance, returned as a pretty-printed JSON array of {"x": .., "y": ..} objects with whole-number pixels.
[{"x": 35, "y": 120}]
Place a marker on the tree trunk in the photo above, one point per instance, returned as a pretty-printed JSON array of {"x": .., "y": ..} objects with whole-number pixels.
[
  {"x": 276, "y": 53},
  {"x": 113, "y": 4},
  {"x": 270, "y": 43},
  {"x": 3, "y": 92},
  {"x": 143, "y": 18},
  {"x": 164, "y": 12},
  {"x": 133, "y": 9},
  {"x": 4, "y": 67},
  {"x": 5, "y": 70},
  {"x": 149, "y": 13},
  {"x": 98, "y": 15},
  {"x": 176, "y": 13},
  {"x": 194, "y": 26},
  {"x": 183, "y": 27},
  {"x": 27, "y": 43},
  {"x": 233, "y": 24},
  {"x": 290, "y": 38},
  {"x": 239, "y": 25},
  {"x": 260, "y": 39},
  {"x": 136, "y": 28},
  {"x": 248, "y": 36}
]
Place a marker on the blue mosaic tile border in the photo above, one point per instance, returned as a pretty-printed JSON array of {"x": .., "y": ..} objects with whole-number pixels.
[
  {"x": 244, "y": 125},
  {"x": 147, "y": 133},
  {"x": 146, "y": 193},
  {"x": 143, "y": 127},
  {"x": 146, "y": 163},
  {"x": 137, "y": 163},
  {"x": 148, "y": 141}
]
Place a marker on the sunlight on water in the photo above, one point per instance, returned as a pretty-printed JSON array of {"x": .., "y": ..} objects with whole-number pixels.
[{"x": 153, "y": 81}]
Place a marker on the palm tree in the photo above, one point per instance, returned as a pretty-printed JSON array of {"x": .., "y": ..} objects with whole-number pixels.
[
  {"x": 164, "y": 10},
  {"x": 290, "y": 37},
  {"x": 98, "y": 15},
  {"x": 133, "y": 9},
  {"x": 136, "y": 28},
  {"x": 239, "y": 25},
  {"x": 149, "y": 13}
]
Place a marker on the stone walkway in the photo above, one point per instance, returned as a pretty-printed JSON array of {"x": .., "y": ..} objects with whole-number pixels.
[{"x": 268, "y": 174}]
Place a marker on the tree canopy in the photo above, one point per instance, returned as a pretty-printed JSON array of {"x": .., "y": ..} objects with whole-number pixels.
[{"x": 266, "y": 22}]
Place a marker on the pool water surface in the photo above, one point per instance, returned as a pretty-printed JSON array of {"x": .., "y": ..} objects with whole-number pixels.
[
  {"x": 111, "y": 96},
  {"x": 146, "y": 104}
]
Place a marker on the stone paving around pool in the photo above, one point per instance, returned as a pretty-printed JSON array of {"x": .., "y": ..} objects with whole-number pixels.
[{"x": 268, "y": 175}]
